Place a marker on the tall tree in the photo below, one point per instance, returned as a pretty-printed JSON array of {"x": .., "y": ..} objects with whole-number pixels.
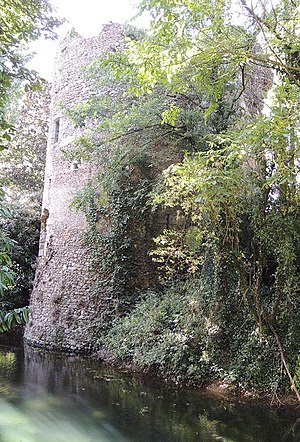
[
  {"x": 198, "y": 80},
  {"x": 21, "y": 22},
  {"x": 22, "y": 175},
  {"x": 241, "y": 197}
]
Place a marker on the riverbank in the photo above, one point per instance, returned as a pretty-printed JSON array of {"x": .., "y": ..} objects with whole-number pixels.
[
  {"x": 47, "y": 396},
  {"x": 218, "y": 388}
]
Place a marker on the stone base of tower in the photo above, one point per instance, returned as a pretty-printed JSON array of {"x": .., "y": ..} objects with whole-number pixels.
[
  {"x": 66, "y": 301},
  {"x": 68, "y": 297}
]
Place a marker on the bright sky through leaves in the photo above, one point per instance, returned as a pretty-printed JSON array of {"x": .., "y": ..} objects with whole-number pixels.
[{"x": 87, "y": 17}]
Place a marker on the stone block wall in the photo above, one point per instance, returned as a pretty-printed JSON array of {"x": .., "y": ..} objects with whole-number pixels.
[{"x": 66, "y": 302}]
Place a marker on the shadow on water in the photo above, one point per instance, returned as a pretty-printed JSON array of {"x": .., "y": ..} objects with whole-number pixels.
[{"x": 46, "y": 397}]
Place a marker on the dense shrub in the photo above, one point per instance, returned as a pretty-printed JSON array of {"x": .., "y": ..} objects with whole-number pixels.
[
  {"x": 193, "y": 334},
  {"x": 23, "y": 229},
  {"x": 166, "y": 333}
]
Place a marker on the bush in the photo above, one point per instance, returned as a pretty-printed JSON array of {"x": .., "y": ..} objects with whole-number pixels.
[
  {"x": 23, "y": 229},
  {"x": 195, "y": 334},
  {"x": 165, "y": 333}
]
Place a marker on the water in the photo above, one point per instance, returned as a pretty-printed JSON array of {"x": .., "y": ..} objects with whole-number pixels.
[{"x": 52, "y": 398}]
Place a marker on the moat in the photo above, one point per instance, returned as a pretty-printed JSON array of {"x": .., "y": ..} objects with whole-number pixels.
[{"x": 46, "y": 397}]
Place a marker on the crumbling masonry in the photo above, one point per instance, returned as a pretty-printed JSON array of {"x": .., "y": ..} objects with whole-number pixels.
[
  {"x": 65, "y": 303},
  {"x": 68, "y": 298}
]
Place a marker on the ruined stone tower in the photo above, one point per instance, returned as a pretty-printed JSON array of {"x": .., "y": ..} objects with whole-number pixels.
[{"x": 65, "y": 310}]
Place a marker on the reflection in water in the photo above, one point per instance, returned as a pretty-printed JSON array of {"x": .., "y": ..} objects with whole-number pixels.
[
  {"x": 59, "y": 398},
  {"x": 45, "y": 419}
]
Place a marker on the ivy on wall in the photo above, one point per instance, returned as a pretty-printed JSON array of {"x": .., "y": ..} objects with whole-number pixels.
[
  {"x": 230, "y": 265},
  {"x": 121, "y": 226}
]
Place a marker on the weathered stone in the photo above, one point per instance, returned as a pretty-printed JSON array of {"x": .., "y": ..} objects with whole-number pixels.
[{"x": 66, "y": 300}]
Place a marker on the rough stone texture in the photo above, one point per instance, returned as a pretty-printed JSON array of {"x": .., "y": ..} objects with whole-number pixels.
[
  {"x": 68, "y": 296},
  {"x": 65, "y": 300}
]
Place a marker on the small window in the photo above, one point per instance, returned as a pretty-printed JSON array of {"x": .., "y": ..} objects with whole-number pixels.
[{"x": 56, "y": 131}]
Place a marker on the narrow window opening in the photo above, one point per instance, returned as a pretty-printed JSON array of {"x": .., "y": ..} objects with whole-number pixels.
[{"x": 56, "y": 131}]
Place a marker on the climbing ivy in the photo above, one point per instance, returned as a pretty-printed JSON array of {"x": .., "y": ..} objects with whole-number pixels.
[
  {"x": 233, "y": 187},
  {"x": 120, "y": 231}
]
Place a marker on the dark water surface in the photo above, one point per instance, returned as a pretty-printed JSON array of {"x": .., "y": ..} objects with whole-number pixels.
[{"x": 46, "y": 397}]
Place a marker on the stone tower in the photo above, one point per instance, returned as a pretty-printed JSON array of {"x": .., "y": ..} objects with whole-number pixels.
[{"x": 65, "y": 305}]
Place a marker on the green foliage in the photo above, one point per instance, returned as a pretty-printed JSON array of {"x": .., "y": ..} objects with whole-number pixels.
[
  {"x": 21, "y": 21},
  {"x": 6, "y": 274},
  {"x": 20, "y": 234},
  {"x": 297, "y": 373},
  {"x": 22, "y": 172},
  {"x": 164, "y": 333},
  {"x": 190, "y": 92},
  {"x": 23, "y": 230},
  {"x": 204, "y": 189},
  {"x": 133, "y": 135},
  {"x": 242, "y": 202},
  {"x": 122, "y": 120},
  {"x": 72, "y": 33},
  {"x": 14, "y": 318},
  {"x": 197, "y": 332},
  {"x": 120, "y": 233},
  {"x": 201, "y": 38},
  {"x": 239, "y": 199},
  {"x": 175, "y": 253}
]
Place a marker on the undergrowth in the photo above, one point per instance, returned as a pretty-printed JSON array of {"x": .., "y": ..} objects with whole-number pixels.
[{"x": 182, "y": 335}]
